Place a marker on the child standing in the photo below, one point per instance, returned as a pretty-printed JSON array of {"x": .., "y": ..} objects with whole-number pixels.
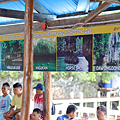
[
  {"x": 5, "y": 100},
  {"x": 16, "y": 101}
]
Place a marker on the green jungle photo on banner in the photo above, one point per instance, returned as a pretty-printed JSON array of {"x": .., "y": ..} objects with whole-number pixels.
[
  {"x": 74, "y": 53},
  {"x": 12, "y": 55},
  {"x": 44, "y": 54},
  {"x": 106, "y": 52}
]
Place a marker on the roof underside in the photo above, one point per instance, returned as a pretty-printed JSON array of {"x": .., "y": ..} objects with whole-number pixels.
[{"x": 53, "y": 7}]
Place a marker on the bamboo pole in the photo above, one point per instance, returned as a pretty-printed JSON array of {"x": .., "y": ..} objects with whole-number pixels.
[
  {"x": 46, "y": 95},
  {"x": 28, "y": 60}
]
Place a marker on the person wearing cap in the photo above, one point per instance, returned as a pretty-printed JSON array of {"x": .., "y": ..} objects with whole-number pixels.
[
  {"x": 70, "y": 113},
  {"x": 38, "y": 98}
]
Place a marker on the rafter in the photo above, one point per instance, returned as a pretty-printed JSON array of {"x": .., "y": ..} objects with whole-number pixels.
[
  {"x": 111, "y": 19},
  {"x": 112, "y": 1},
  {"x": 20, "y": 15},
  {"x": 93, "y": 14},
  {"x": 6, "y": 1},
  {"x": 39, "y": 8}
]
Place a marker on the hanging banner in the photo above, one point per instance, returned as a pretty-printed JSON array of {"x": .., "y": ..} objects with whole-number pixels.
[{"x": 91, "y": 49}]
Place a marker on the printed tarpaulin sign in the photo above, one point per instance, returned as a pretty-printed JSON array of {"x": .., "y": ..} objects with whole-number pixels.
[{"x": 91, "y": 49}]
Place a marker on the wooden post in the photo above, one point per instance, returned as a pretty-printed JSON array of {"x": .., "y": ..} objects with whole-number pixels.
[
  {"x": 47, "y": 95},
  {"x": 28, "y": 60}
]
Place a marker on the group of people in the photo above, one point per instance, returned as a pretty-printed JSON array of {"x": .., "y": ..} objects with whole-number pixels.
[
  {"x": 7, "y": 105},
  {"x": 71, "y": 113},
  {"x": 10, "y": 107}
]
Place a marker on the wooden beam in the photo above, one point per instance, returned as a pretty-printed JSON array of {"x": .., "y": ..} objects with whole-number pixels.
[
  {"x": 93, "y": 14},
  {"x": 6, "y": 1},
  {"x": 47, "y": 95},
  {"x": 39, "y": 8},
  {"x": 20, "y": 15},
  {"x": 110, "y": 19},
  {"x": 94, "y": 0},
  {"x": 28, "y": 60},
  {"x": 100, "y": 3},
  {"x": 112, "y": 1}
]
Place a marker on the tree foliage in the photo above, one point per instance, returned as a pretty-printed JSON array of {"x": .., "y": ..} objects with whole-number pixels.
[
  {"x": 12, "y": 46},
  {"x": 45, "y": 47},
  {"x": 101, "y": 42},
  {"x": 61, "y": 45},
  {"x": 82, "y": 76}
]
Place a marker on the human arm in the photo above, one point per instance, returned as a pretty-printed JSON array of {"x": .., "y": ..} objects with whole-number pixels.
[
  {"x": 11, "y": 108},
  {"x": 12, "y": 112}
]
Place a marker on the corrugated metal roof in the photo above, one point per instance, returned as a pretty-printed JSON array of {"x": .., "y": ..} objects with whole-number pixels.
[
  {"x": 58, "y": 7},
  {"x": 55, "y": 7}
]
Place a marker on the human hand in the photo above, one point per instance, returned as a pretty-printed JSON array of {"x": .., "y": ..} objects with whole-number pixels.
[{"x": 11, "y": 113}]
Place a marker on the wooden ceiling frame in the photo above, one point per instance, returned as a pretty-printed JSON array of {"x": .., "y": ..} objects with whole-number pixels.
[
  {"x": 111, "y": 1},
  {"x": 6, "y": 1},
  {"x": 92, "y": 19},
  {"x": 20, "y": 15},
  {"x": 93, "y": 14}
]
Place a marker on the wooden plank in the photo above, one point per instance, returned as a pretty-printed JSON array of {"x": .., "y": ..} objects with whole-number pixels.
[
  {"x": 100, "y": 3},
  {"x": 39, "y": 8},
  {"x": 28, "y": 60},
  {"x": 112, "y": 1},
  {"x": 93, "y": 14},
  {"x": 62, "y": 24},
  {"x": 6, "y": 1},
  {"x": 94, "y": 0},
  {"x": 20, "y": 15}
]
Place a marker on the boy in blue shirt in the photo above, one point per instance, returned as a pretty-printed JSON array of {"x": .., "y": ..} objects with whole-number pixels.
[
  {"x": 70, "y": 113},
  {"x": 5, "y": 100}
]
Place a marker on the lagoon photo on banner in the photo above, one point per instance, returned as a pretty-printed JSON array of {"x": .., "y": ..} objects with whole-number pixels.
[
  {"x": 44, "y": 54},
  {"x": 74, "y": 53}
]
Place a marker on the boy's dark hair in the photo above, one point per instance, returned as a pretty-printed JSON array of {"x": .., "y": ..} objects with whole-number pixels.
[
  {"x": 71, "y": 108},
  {"x": 103, "y": 108},
  {"x": 37, "y": 110},
  {"x": 7, "y": 84},
  {"x": 18, "y": 85}
]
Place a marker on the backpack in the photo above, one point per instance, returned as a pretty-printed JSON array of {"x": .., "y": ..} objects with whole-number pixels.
[{"x": 53, "y": 109}]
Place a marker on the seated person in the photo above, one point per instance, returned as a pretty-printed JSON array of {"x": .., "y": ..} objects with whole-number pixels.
[
  {"x": 70, "y": 113},
  {"x": 5, "y": 100},
  {"x": 36, "y": 114},
  {"x": 16, "y": 101},
  {"x": 102, "y": 112},
  {"x": 38, "y": 98}
]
